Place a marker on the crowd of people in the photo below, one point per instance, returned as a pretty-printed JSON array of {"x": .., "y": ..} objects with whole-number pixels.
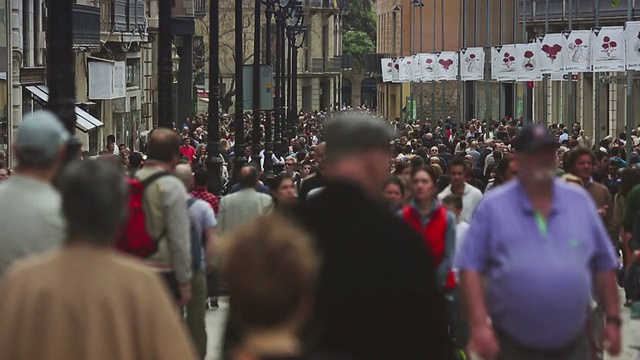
[{"x": 372, "y": 239}]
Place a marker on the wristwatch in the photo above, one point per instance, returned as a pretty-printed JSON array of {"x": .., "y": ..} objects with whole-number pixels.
[{"x": 615, "y": 320}]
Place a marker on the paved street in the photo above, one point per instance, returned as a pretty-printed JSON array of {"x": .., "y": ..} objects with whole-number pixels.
[{"x": 631, "y": 333}]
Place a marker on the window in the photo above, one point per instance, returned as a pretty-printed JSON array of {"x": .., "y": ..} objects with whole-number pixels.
[{"x": 133, "y": 72}]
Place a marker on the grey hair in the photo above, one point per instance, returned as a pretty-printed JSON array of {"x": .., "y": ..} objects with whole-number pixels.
[
  {"x": 350, "y": 132},
  {"x": 94, "y": 198}
]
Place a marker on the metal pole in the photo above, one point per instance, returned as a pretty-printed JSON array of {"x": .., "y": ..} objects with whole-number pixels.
[
  {"x": 433, "y": 83},
  {"x": 413, "y": 51},
  {"x": 461, "y": 42},
  {"x": 500, "y": 87},
  {"x": 475, "y": 43},
  {"x": 238, "y": 160},
  {"x": 255, "y": 134},
  {"x": 289, "y": 88},
  {"x": 597, "y": 85},
  {"x": 62, "y": 90},
  {"x": 545, "y": 79},
  {"x": 283, "y": 88},
  {"x": 525, "y": 87},
  {"x": 514, "y": 90},
  {"x": 571, "y": 100},
  {"x": 165, "y": 66},
  {"x": 444, "y": 83},
  {"x": 629, "y": 95},
  {"x": 268, "y": 136},
  {"x": 294, "y": 91},
  {"x": 421, "y": 103},
  {"x": 214, "y": 162},
  {"x": 487, "y": 82},
  {"x": 277, "y": 135}
]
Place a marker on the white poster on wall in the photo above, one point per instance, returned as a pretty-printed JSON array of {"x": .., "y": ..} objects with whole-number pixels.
[
  {"x": 527, "y": 67},
  {"x": 632, "y": 48},
  {"x": 428, "y": 62},
  {"x": 505, "y": 59},
  {"x": 472, "y": 64},
  {"x": 386, "y": 64},
  {"x": 447, "y": 66},
  {"x": 107, "y": 79},
  {"x": 406, "y": 70},
  {"x": 577, "y": 52},
  {"x": 607, "y": 48},
  {"x": 550, "y": 59},
  {"x": 417, "y": 69},
  {"x": 395, "y": 71}
]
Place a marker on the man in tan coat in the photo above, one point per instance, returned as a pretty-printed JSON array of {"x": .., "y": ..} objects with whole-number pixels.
[{"x": 85, "y": 301}]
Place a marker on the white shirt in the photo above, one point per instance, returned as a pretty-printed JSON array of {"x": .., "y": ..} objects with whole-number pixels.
[{"x": 470, "y": 199}]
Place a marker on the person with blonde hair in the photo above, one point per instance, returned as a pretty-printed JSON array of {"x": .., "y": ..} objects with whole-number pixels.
[{"x": 270, "y": 268}]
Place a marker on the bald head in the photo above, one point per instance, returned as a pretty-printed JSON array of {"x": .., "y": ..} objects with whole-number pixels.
[
  {"x": 163, "y": 146},
  {"x": 183, "y": 172},
  {"x": 248, "y": 178}
]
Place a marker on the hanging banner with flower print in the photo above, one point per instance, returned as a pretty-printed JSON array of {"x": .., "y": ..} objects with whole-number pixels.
[
  {"x": 550, "y": 59},
  {"x": 632, "y": 53},
  {"x": 447, "y": 66},
  {"x": 428, "y": 63},
  {"x": 576, "y": 50},
  {"x": 504, "y": 59},
  {"x": 395, "y": 71},
  {"x": 387, "y": 69},
  {"x": 527, "y": 67},
  {"x": 472, "y": 64},
  {"x": 406, "y": 71},
  {"x": 607, "y": 48},
  {"x": 417, "y": 69}
]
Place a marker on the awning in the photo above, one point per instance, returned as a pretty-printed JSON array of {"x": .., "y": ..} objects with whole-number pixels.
[{"x": 84, "y": 121}]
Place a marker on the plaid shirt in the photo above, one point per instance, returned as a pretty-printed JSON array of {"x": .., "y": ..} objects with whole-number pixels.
[{"x": 203, "y": 194}]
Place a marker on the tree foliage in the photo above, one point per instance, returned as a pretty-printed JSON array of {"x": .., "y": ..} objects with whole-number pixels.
[
  {"x": 356, "y": 44},
  {"x": 361, "y": 17}
]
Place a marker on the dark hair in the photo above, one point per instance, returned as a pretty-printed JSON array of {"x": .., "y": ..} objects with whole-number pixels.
[
  {"x": 248, "y": 178},
  {"x": 429, "y": 170},
  {"x": 458, "y": 161},
  {"x": 135, "y": 160},
  {"x": 400, "y": 167},
  {"x": 111, "y": 139},
  {"x": 416, "y": 162},
  {"x": 277, "y": 182},
  {"x": 163, "y": 145},
  {"x": 201, "y": 177},
  {"x": 397, "y": 182},
  {"x": 501, "y": 169},
  {"x": 455, "y": 200},
  {"x": 572, "y": 156},
  {"x": 94, "y": 196},
  {"x": 630, "y": 178}
]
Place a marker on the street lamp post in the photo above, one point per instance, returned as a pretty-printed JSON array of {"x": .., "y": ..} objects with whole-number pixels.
[
  {"x": 268, "y": 137},
  {"x": 255, "y": 134},
  {"x": 165, "y": 65},
  {"x": 61, "y": 82},
  {"x": 279, "y": 74},
  {"x": 214, "y": 162},
  {"x": 295, "y": 35},
  {"x": 239, "y": 159}
]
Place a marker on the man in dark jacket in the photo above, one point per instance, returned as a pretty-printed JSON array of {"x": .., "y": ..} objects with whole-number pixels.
[{"x": 377, "y": 296}]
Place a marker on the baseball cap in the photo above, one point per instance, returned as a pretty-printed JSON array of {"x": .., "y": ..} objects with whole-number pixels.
[
  {"x": 533, "y": 137},
  {"x": 41, "y": 132}
]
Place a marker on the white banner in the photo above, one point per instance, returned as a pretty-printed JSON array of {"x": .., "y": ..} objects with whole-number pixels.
[
  {"x": 395, "y": 72},
  {"x": 550, "y": 59},
  {"x": 406, "y": 69},
  {"x": 527, "y": 67},
  {"x": 607, "y": 48},
  {"x": 505, "y": 59},
  {"x": 576, "y": 53},
  {"x": 447, "y": 66},
  {"x": 472, "y": 64},
  {"x": 632, "y": 36},
  {"x": 417, "y": 69},
  {"x": 428, "y": 62},
  {"x": 107, "y": 80},
  {"x": 387, "y": 69}
]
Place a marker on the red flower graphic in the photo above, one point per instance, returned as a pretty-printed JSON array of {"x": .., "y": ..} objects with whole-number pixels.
[{"x": 446, "y": 64}]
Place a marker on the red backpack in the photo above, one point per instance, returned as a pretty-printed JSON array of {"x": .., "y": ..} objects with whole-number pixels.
[{"x": 134, "y": 238}]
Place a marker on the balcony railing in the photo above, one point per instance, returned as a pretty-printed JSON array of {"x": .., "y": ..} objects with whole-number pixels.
[
  {"x": 537, "y": 10},
  {"x": 335, "y": 64},
  {"x": 86, "y": 25},
  {"x": 317, "y": 65},
  {"x": 372, "y": 63},
  {"x": 330, "y": 5},
  {"x": 124, "y": 16},
  {"x": 199, "y": 8}
]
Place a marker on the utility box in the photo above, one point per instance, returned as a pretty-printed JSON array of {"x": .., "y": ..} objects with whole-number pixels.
[{"x": 266, "y": 87}]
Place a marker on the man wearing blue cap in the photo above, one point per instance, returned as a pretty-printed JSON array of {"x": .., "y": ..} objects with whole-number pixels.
[
  {"x": 30, "y": 213},
  {"x": 540, "y": 259}
]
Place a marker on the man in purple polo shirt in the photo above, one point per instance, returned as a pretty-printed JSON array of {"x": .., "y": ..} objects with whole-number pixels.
[{"x": 539, "y": 258}]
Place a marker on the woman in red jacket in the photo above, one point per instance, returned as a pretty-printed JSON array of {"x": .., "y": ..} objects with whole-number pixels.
[{"x": 432, "y": 220}]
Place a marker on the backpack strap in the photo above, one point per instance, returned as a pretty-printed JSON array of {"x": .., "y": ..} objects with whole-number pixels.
[
  {"x": 148, "y": 181},
  {"x": 191, "y": 201}
]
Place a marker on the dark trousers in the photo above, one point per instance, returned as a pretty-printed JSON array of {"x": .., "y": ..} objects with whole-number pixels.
[
  {"x": 171, "y": 282},
  {"x": 632, "y": 282},
  {"x": 512, "y": 350}
]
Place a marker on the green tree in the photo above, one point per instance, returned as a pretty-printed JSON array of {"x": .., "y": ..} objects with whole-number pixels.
[
  {"x": 356, "y": 44},
  {"x": 361, "y": 17}
]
